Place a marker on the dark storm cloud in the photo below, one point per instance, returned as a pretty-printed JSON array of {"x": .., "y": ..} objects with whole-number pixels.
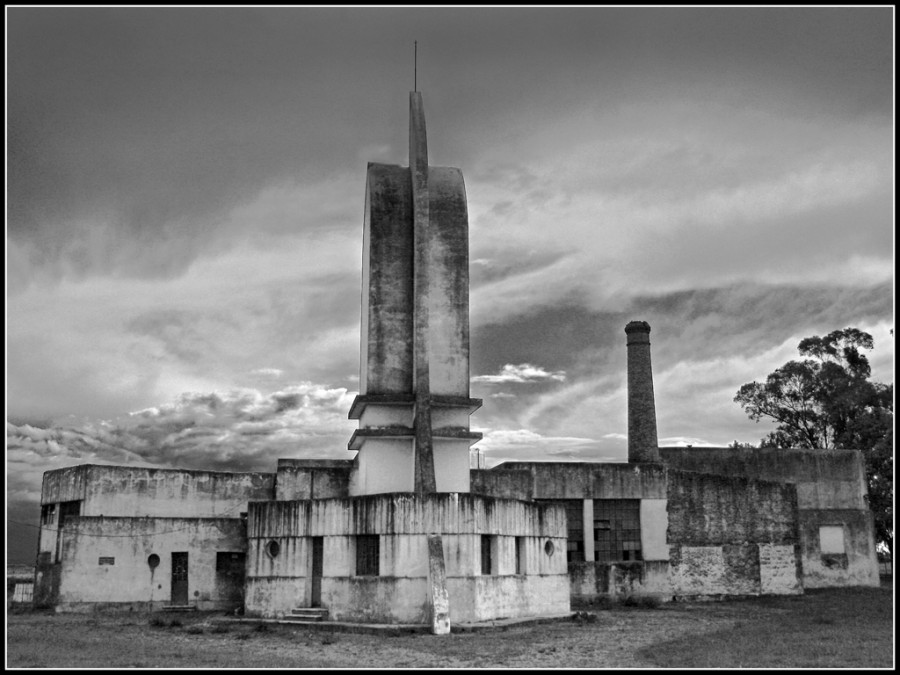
[{"x": 153, "y": 122}]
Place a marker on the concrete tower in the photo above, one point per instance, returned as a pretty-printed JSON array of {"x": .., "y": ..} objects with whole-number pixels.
[
  {"x": 414, "y": 405},
  {"x": 643, "y": 444}
]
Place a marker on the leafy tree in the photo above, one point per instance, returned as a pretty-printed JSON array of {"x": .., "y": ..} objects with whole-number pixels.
[{"x": 827, "y": 401}]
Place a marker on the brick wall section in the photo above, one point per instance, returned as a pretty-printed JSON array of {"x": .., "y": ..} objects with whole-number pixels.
[{"x": 642, "y": 437}]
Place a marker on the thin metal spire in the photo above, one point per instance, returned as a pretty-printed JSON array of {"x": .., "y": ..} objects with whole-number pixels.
[{"x": 415, "y": 64}]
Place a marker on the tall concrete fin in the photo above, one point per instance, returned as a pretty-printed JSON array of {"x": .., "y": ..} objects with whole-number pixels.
[{"x": 418, "y": 171}]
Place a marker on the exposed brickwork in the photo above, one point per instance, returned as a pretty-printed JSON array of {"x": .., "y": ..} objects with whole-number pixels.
[{"x": 642, "y": 437}]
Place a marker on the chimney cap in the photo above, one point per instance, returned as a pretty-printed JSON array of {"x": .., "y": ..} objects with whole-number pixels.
[{"x": 637, "y": 327}]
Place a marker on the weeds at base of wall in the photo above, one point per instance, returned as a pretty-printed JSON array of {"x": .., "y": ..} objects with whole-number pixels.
[
  {"x": 584, "y": 617},
  {"x": 160, "y": 622},
  {"x": 641, "y": 601}
]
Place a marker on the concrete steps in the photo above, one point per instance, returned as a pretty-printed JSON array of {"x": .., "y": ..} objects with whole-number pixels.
[
  {"x": 307, "y": 614},
  {"x": 179, "y": 608}
]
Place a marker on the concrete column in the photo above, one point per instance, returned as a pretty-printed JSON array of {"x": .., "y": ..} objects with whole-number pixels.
[
  {"x": 643, "y": 444},
  {"x": 587, "y": 515}
]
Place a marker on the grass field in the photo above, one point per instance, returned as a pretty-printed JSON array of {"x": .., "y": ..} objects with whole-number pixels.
[{"x": 843, "y": 628}]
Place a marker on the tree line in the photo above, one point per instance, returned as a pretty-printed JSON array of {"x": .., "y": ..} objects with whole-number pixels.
[{"x": 827, "y": 401}]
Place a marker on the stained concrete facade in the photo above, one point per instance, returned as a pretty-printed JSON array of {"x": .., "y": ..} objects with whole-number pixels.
[
  {"x": 413, "y": 407},
  {"x": 89, "y": 512},
  {"x": 830, "y": 487},
  {"x": 527, "y": 574},
  {"x": 404, "y": 531}
]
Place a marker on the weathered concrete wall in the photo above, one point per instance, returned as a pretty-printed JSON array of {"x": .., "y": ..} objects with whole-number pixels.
[
  {"x": 589, "y": 581},
  {"x": 94, "y": 490},
  {"x": 383, "y": 466},
  {"x": 825, "y": 478},
  {"x": 130, "y": 582},
  {"x": 403, "y": 523},
  {"x": 580, "y": 480},
  {"x": 707, "y": 509},
  {"x": 132, "y": 491},
  {"x": 387, "y": 311},
  {"x": 448, "y": 292},
  {"x": 831, "y": 489},
  {"x": 856, "y": 566},
  {"x": 503, "y": 483},
  {"x": 731, "y": 536},
  {"x": 312, "y": 479}
]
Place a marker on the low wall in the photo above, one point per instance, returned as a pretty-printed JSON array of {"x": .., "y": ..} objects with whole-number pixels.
[
  {"x": 105, "y": 562},
  {"x": 731, "y": 536},
  {"x": 583, "y": 480},
  {"x": 590, "y": 581},
  {"x": 528, "y": 573},
  {"x": 312, "y": 479}
]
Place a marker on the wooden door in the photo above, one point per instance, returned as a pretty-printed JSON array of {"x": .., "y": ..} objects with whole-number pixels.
[
  {"x": 180, "y": 578},
  {"x": 315, "y": 599}
]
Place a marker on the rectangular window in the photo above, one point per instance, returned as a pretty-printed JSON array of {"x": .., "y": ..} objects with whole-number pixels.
[
  {"x": 520, "y": 555},
  {"x": 486, "y": 557},
  {"x": 67, "y": 510},
  {"x": 107, "y": 560},
  {"x": 230, "y": 563},
  {"x": 48, "y": 512},
  {"x": 831, "y": 539},
  {"x": 617, "y": 530},
  {"x": 367, "y": 555},
  {"x": 575, "y": 530}
]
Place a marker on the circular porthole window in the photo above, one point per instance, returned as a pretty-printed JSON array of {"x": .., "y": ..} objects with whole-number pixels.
[
  {"x": 153, "y": 561},
  {"x": 549, "y": 548},
  {"x": 273, "y": 548}
]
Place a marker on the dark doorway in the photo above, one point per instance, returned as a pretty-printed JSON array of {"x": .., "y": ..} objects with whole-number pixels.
[
  {"x": 66, "y": 510},
  {"x": 230, "y": 567},
  {"x": 180, "y": 578},
  {"x": 315, "y": 596}
]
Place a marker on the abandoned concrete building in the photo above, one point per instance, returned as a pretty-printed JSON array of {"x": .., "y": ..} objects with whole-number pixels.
[{"x": 405, "y": 531}]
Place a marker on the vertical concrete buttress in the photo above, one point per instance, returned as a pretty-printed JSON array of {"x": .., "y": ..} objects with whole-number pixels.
[
  {"x": 418, "y": 170},
  {"x": 643, "y": 444}
]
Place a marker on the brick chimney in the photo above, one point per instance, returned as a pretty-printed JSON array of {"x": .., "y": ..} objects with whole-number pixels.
[{"x": 643, "y": 444}]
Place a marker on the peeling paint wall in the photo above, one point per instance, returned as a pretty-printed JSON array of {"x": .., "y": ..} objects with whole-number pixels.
[
  {"x": 731, "y": 536},
  {"x": 312, "y": 479},
  {"x": 831, "y": 490},
  {"x": 131, "y": 492},
  {"x": 504, "y": 483},
  {"x": 403, "y": 522},
  {"x": 105, "y": 562},
  {"x": 571, "y": 480}
]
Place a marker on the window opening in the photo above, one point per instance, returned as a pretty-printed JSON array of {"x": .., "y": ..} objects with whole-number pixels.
[
  {"x": 486, "y": 558},
  {"x": 48, "y": 512},
  {"x": 575, "y": 530},
  {"x": 367, "y": 553},
  {"x": 617, "y": 530},
  {"x": 831, "y": 539},
  {"x": 520, "y": 555}
]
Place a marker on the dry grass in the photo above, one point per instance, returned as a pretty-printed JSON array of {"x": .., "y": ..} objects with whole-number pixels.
[{"x": 838, "y": 628}]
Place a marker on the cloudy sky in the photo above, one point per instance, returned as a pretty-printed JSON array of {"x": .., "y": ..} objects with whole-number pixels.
[{"x": 185, "y": 199}]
